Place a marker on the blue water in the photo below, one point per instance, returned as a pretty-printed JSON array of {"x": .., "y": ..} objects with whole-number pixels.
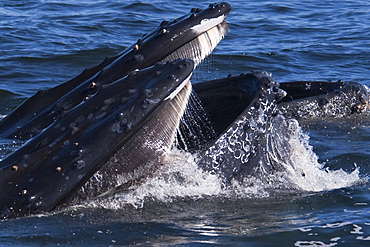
[{"x": 45, "y": 43}]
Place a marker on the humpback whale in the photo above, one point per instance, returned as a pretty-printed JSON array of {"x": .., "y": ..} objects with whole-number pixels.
[{"x": 114, "y": 123}]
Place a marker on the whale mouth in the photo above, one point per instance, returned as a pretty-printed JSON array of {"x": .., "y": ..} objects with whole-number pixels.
[{"x": 192, "y": 36}]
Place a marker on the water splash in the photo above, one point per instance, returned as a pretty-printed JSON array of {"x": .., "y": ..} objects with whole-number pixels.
[
  {"x": 300, "y": 163},
  {"x": 195, "y": 128},
  {"x": 180, "y": 176}
]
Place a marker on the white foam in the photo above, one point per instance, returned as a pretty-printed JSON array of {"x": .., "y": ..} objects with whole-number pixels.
[
  {"x": 180, "y": 176},
  {"x": 301, "y": 164}
]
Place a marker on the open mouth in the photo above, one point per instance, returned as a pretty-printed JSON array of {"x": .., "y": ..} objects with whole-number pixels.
[{"x": 192, "y": 36}]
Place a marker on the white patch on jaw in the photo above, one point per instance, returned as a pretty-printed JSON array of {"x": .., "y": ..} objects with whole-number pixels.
[{"x": 207, "y": 24}]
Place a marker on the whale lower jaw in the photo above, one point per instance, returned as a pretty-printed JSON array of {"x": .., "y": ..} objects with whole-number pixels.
[
  {"x": 148, "y": 147},
  {"x": 126, "y": 127}
]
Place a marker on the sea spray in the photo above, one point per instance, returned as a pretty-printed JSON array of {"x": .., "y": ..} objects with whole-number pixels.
[
  {"x": 180, "y": 177},
  {"x": 195, "y": 128},
  {"x": 300, "y": 162}
]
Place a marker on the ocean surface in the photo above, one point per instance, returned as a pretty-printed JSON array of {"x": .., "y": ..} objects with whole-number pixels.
[{"x": 44, "y": 43}]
